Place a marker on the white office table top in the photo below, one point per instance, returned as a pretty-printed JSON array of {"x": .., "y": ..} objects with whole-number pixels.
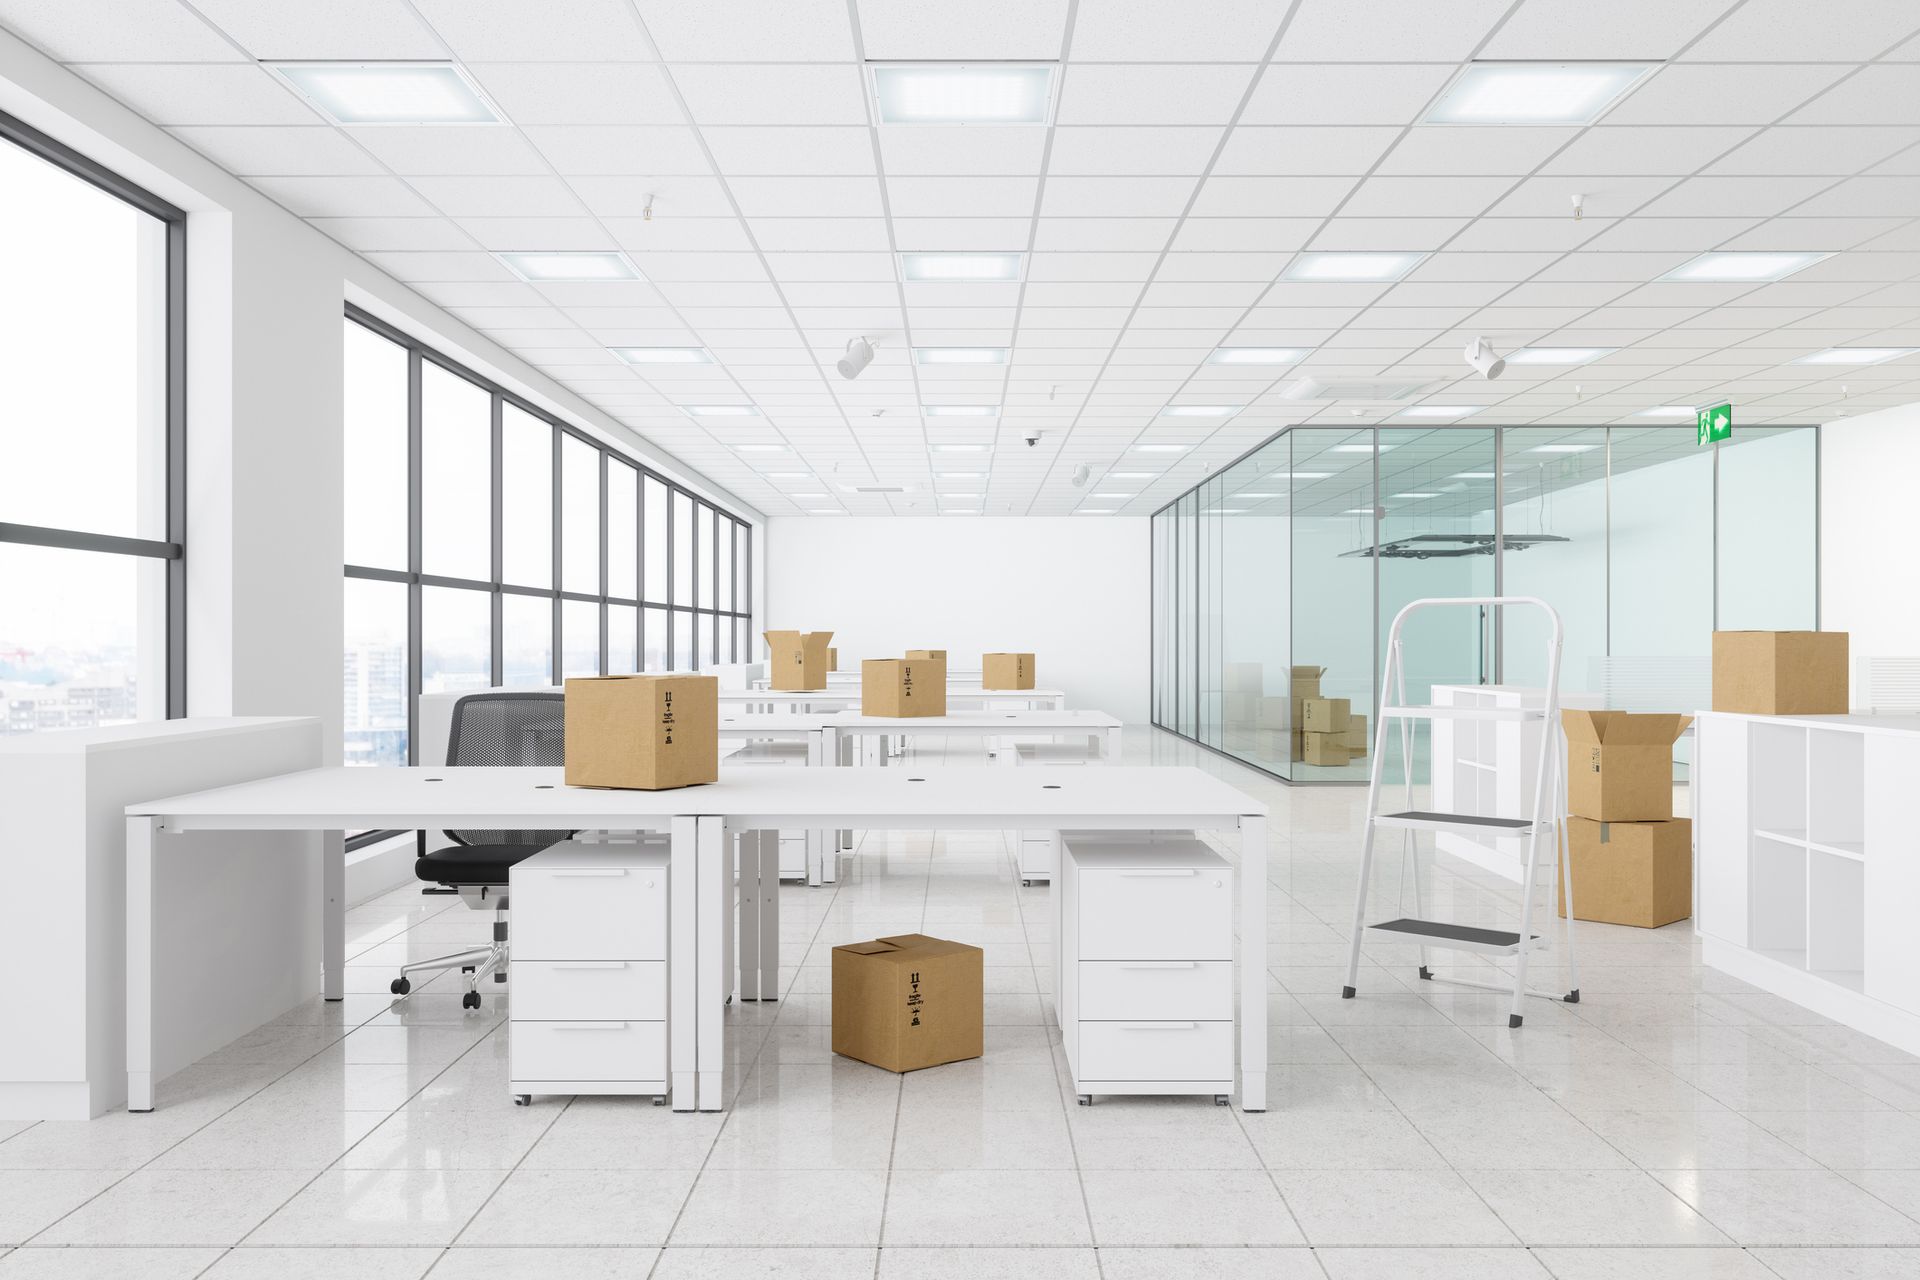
[
  {"x": 825, "y": 697},
  {"x": 537, "y": 798},
  {"x": 981, "y": 722},
  {"x": 733, "y": 723}
]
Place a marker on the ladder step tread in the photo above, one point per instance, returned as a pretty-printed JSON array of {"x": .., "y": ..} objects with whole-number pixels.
[
  {"x": 1440, "y": 932},
  {"x": 1463, "y": 820}
]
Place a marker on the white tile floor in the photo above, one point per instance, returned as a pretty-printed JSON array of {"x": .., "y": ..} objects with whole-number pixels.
[{"x": 1675, "y": 1125}]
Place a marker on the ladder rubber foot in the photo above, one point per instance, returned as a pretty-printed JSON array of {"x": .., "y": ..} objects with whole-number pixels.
[
  {"x": 1426, "y": 974},
  {"x": 1346, "y": 993},
  {"x": 1513, "y": 1021},
  {"x": 1573, "y": 996}
]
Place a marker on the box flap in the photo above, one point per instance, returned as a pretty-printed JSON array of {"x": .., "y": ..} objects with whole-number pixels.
[{"x": 878, "y": 947}]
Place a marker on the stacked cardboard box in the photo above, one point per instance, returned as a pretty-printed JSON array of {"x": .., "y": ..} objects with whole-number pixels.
[
  {"x": 1326, "y": 732},
  {"x": 1632, "y": 860},
  {"x": 1780, "y": 673}
]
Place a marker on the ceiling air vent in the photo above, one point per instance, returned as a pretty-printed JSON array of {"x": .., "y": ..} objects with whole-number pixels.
[{"x": 1380, "y": 390}]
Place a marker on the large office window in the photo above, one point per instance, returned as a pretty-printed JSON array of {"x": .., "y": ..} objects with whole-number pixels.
[
  {"x": 92, "y": 511},
  {"x": 489, "y": 544}
]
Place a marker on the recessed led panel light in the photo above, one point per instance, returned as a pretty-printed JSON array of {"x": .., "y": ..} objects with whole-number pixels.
[
  {"x": 825, "y": 511},
  {"x": 1471, "y": 475},
  {"x": 1122, "y": 497},
  {"x": 1416, "y": 495},
  {"x": 1667, "y": 411},
  {"x": 1857, "y": 355},
  {"x": 963, "y": 93},
  {"x": 1441, "y": 410},
  {"x": 1360, "y": 448},
  {"x": 720, "y": 410},
  {"x": 1567, "y": 448},
  {"x": 1133, "y": 475},
  {"x": 1558, "y": 355},
  {"x": 1094, "y": 511},
  {"x": 1364, "y": 268},
  {"x": 663, "y": 355},
  {"x": 1224, "y": 511},
  {"x": 1534, "y": 92},
  {"x": 959, "y": 268},
  {"x": 963, "y": 475},
  {"x": 1300, "y": 475},
  {"x": 1358, "y": 511},
  {"x": 389, "y": 92},
  {"x": 1256, "y": 496},
  {"x": 1199, "y": 410},
  {"x": 959, "y": 410},
  {"x": 959, "y": 448},
  {"x": 1742, "y": 268},
  {"x": 1161, "y": 448},
  {"x": 569, "y": 266},
  {"x": 1256, "y": 355},
  {"x": 810, "y": 497},
  {"x": 959, "y": 355}
]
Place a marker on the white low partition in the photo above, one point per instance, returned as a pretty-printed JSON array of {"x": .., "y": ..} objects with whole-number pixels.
[
  {"x": 1809, "y": 862},
  {"x": 237, "y": 936}
]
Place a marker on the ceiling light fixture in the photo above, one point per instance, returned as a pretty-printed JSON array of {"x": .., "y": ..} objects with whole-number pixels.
[
  {"x": 1094, "y": 511},
  {"x": 1534, "y": 93},
  {"x": 1122, "y": 497},
  {"x": 663, "y": 355},
  {"x": 1857, "y": 355},
  {"x": 960, "y": 410},
  {"x": 1133, "y": 475},
  {"x": 959, "y": 355},
  {"x": 353, "y": 93},
  {"x": 1441, "y": 410},
  {"x": 1558, "y": 355},
  {"x": 959, "y": 448},
  {"x": 1081, "y": 474},
  {"x": 959, "y": 268},
  {"x": 1353, "y": 268},
  {"x": 1567, "y": 448},
  {"x": 962, "y": 93},
  {"x": 859, "y": 356},
  {"x": 1667, "y": 411},
  {"x": 1256, "y": 355},
  {"x": 825, "y": 511},
  {"x": 1485, "y": 360},
  {"x": 1741, "y": 268},
  {"x": 568, "y": 266},
  {"x": 1360, "y": 448},
  {"x": 720, "y": 410},
  {"x": 1416, "y": 495}
]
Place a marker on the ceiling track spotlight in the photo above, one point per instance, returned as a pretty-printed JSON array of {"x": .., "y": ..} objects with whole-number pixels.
[
  {"x": 1485, "y": 361},
  {"x": 859, "y": 356},
  {"x": 1082, "y": 474}
]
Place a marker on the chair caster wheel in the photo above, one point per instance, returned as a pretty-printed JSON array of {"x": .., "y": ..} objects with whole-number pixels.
[
  {"x": 400, "y": 986},
  {"x": 1086, "y": 1099},
  {"x": 471, "y": 1000},
  {"x": 522, "y": 1099}
]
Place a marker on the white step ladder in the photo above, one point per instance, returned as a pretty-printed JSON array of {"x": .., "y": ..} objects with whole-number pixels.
[{"x": 1543, "y": 826}]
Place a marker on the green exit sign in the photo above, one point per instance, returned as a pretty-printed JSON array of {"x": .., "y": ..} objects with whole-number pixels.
[{"x": 1713, "y": 424}]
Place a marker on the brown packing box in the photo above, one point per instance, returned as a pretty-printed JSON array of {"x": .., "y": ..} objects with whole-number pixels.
[
  {"x": 1355, "y": 738},
  {"x": 1637, "y": 873},
  {"x": 941, "y": 654},
  {"x": 1620, "y": 764},
  {"x": 642, "y": 733},
  {"x": 833, "y": 658},
  {"x": 1303, "y": 683},
  {"x": 797, "y": 659},
  {"x": 1326, "y": 749},
  {"x": 1326, "y": 715},
  {"x": 908, "y": 1002},
  {"x": 1780, "y": 673},
  {"x": 903, "y": 687},
  {"x": 1006, "y": 671}
]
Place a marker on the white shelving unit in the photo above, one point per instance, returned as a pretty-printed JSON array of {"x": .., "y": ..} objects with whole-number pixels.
[{"x": 1809, "y": 862}]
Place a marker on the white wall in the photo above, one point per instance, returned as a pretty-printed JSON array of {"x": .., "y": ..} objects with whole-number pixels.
[
  {"x": 266, "y": 295},
  {"x": 1074, "y": 591},
  {"x": 1869, "y": 474}
]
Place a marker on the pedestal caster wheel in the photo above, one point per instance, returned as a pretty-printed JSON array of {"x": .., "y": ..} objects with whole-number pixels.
[
  {"x": 400, "y": 986},
  {"x": 1086, "y": 1099},
  {"x": 1222, "y": 1100},
  {"x": 522, "y": 1099},
  {"x": 660, "y": 1101},
  {"x": 471, "y": 1000}
]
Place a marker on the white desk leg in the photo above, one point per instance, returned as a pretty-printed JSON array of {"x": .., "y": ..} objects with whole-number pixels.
[
  {"x": 873, "y": 750},
  {"x": 745, "y": 976},
  {"x": 1113, "y": 745},
  {"x": 683, "y": 977},
  {"x": 735, "y": 896},
  {"x": 1253, "y": 963},
  {"x": 768, "y": 916},
  {"x": 823, "y": 751},
  {"x": 710, "y": 1053},
  {"x": 843, "y": 755},
  {"x": 140, "y": 838},
  {"x": 333, "y": 924}
]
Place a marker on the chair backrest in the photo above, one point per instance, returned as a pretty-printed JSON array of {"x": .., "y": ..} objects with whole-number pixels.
[{"x": 513, "y": 730}]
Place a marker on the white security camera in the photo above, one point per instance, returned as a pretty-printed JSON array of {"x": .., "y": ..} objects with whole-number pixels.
[
  {"x": 1032, "y": 438},
  {"x": 859, "y": 356},
  {"x": 1485, "y": 361}
]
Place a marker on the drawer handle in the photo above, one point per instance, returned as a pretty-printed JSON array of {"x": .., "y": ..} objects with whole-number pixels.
[
  {"x": 1164, "y": 964},
  {"x": 578, "y": 872},
  {"x": 1171, "y": 871},
  {"x": 588, "y": 1026},
  {"x": 1159, "y": 1026},
  {"x": 589, "y": 964}
]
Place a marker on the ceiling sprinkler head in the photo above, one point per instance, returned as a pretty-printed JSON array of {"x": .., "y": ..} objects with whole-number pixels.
[{"x": 1579, "y": 207}]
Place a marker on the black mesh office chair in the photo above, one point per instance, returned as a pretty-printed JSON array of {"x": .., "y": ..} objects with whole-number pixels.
[{"x": 514, "y": 729}]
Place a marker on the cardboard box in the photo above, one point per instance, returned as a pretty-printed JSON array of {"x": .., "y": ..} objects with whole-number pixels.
[
  {"x": 1355, "y": 738},
  {"x": 797, "y": 659},
  {"x": 1326, "y": 715},
  {"x": 903, "y": 687},
  {"x": 1006, "y": 671},
  {"x": 1620, "y": 764},
  {"x": 908, "y": 1002},
  {"x": 642, "y": 733},
  {"x": 1325, "y": 749},
  {"x": 833, "y": 658},
  {"x": 941, "y": 654},
  {"x": 1780, "y": 673},
  {"x": 1637, "y": 873},
  {"x": 1302, "y": 683}
]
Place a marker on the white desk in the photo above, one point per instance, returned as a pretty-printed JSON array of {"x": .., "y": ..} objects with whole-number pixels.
[
  {"x": 810, "y": 727},
  {"x": 763, "y": 701},
  {"x": 1101, "y": 730},
  {"x": 699, "y": 821}
]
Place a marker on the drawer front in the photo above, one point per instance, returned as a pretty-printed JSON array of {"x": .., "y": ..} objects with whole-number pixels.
[
  {"x": 583, "y": 990},
  {"x": 589, "y": 1050},
  {"x": 1156, "y": 1051},
  {"x": 1153, "y": 990},
  {"x": 1177, "y": 914},
  {"x": 590, "y": 913}
]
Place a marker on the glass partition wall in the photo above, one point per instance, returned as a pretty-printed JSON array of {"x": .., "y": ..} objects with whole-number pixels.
[{"x": 1283, "y": 572}]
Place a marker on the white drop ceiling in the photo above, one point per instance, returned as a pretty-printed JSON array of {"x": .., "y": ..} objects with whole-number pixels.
[{"x": 1197, "y": 148}]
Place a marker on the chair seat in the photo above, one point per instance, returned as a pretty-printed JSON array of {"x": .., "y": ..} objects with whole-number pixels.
[{"x": 472, "y": 863}]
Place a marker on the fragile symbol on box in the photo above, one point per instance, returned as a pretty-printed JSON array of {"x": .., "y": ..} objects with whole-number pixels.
[
  {"x": 913, "y": 998},
  {"x": 666, "y": 716}
]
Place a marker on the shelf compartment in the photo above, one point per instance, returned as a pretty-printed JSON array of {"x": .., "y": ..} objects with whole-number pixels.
[
  {"x": 1836, "y": 913},
  {"x": 1777, "y": 777},
  {"x": 1836, "y": 788},
  {"x": 1777, "y": 908}
]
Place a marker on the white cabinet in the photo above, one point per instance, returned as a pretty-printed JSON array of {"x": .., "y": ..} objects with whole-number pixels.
[
  {"x": 1487, "y": 768},
  {"x": 1145, "y": 965},
  {"x": 1809, "y": 862},
  {"x": 588, "y": 1008}
]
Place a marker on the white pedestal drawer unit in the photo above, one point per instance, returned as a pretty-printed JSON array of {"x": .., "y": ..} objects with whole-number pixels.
[
  {"x": 1808, "y": 859},
  {"x": 587, "y": 1012},
  {"x": 1146, "y": 966}
]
